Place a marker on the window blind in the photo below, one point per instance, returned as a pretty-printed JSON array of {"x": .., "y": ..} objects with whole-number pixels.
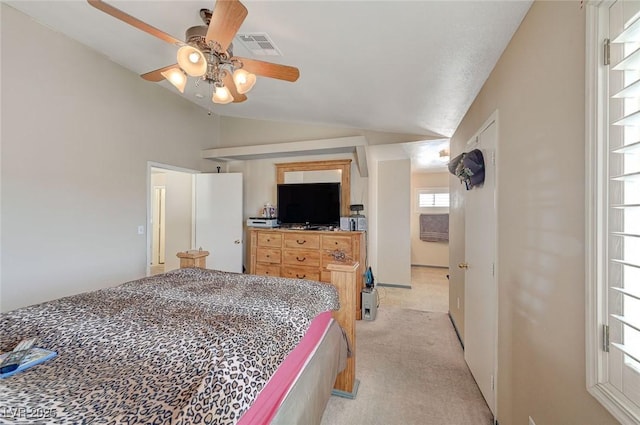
[
  {"x": 623, "y": 198},
  {"x": 613, "y": 206},
  {"x": 435, "y": 199}
]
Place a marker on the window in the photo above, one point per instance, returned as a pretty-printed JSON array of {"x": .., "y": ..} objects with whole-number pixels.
[
  {"x": 433, "y": 198},
  {"x": 613, "y": 207}
]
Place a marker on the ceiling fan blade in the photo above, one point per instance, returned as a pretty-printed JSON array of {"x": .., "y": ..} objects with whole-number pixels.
[
  {"x": 134, "y": 22},
  {"x": 228, "y": 83},
  {"x": 271, "y": 70},
  {"x": 226, "y": 18},
  {"x": 156, "y": 75}
]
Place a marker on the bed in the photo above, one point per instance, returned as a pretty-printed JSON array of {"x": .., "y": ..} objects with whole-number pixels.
[{"x": 190, "y": 346}]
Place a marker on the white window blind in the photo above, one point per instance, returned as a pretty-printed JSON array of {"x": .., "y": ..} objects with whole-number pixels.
[
  {"x": 623, "y": 275},
  {"x": 615, "y": 249},
  {"x": 433, "y": 198}
]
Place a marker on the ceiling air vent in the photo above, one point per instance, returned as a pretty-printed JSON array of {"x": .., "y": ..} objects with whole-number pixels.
[{"x": 259, "y": 43}]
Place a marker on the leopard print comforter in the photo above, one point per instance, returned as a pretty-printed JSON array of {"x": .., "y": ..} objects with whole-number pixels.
[{"x": 191, "y": 346}]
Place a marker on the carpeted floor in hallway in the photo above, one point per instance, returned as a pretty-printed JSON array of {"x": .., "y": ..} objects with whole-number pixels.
[{"x": 411, "y": 367}]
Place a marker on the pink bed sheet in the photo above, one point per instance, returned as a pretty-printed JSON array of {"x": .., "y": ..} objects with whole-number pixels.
[{"x": 272, "y": 395}]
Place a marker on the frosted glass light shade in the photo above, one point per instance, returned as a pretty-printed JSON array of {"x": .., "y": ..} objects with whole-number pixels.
[
  {"x": 176, "y": 77},
  {"x": 244, "y": 80},
  {"x": 222, "y": 96},
  {"x": 192, "y": 61}
]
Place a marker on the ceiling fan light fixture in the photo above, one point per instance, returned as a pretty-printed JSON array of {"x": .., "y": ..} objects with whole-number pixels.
[
  {"x": 176, "y": 77},
  {"x": 192, "y": 61},
  {"x": 206, "y": 52},
  {"x": 222, "y": 95},
  {"x": 443, "y": 155},
  {"x": 243, "y": 80}
]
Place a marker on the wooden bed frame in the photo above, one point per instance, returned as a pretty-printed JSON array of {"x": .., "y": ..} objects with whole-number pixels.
[{"x": 343, "y": 277}]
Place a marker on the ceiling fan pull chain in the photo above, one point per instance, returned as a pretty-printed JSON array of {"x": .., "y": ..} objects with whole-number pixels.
[{"x": 210, "y": 97}]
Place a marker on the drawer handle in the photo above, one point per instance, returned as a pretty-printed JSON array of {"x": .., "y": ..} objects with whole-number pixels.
[
  {"x": 301, "y": 259},
  {"x": 268, "y": 255},
  {"x": 336, "y": 243},
  {"x": 301, "y": 277},
  {"x": 301, "y": 243}
]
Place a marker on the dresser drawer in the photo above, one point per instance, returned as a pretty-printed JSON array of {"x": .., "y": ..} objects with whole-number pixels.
[
  {"x": 268, "y": 255},
  {"x": 301, "y": 240},
  {"x": 340, "y": 243},
  {"x": 301, "y": 257},
  {"x": 309, "y": 273},
  {"x": 270, "y": 239},
  {"x": 268, "y": 269}
]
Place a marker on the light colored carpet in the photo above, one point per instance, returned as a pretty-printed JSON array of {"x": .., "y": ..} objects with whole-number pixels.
[
  {"x": 429, "y": 291},
  {"x": 411, "y": 370}
]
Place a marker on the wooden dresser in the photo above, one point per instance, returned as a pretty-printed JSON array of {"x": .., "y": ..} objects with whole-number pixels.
[{"x": 305, "y": 254}]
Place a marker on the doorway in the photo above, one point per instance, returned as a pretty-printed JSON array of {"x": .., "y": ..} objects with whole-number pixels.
[
  {"x": 429, "y": 225},
  {"x": 187, "y": 210},
  {"x": 170, "y": 216}
]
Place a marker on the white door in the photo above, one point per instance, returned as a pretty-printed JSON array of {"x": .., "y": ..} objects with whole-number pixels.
[
  {"x": 218, "y": 219},
  {"x": 480, "y": 307}
]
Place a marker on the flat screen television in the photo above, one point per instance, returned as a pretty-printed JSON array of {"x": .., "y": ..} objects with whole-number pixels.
[{"x": 313, "y": 204}]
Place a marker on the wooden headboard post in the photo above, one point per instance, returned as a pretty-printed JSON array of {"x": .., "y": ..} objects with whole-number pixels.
[
  {"x": 343, "y": 277},
  {"x": 193, "y": 258}
]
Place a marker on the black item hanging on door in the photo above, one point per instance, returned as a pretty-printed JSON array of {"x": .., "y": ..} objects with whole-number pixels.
[{"x": 469, "y": 168}]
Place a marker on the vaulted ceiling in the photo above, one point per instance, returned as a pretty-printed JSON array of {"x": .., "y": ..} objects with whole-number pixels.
[{"x": 411, "y": 67}]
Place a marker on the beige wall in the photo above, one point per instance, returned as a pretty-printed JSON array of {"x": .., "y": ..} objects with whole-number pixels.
[
  {"x": 77, "y": 133},
  {"x": 427, "y": 253},
  {"x": 246, "y": 132},
  {"x": 538, "y": 88},
  {"x": 393, "y": 263}
]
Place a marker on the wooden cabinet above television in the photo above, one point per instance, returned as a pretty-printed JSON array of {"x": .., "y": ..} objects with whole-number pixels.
[{"x": 342, "y": 165}]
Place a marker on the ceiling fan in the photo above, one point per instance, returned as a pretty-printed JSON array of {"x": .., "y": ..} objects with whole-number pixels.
[{"x": 207, "y": 53}]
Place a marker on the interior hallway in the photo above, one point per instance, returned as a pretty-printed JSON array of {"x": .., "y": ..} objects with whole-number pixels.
[
  {"x": 410, "y": 363},
  {"x": 429, "y": 291}
]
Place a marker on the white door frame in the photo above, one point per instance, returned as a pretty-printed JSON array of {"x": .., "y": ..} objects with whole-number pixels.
[
  {"x": 157, "y": 226},
  {"x": 150, "y": 165},
  {"x": 493, "y": 118}
]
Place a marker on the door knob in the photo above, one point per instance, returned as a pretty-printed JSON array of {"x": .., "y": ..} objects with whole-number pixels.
[
  {"x": 237, "y": 242},
  {"x": 463, "y": 266}
]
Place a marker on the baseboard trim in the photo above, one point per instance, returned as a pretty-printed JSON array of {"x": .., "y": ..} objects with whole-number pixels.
[
  {"x": 393, "y": 285},
  {"x": 431, "y": 267},
  {"x": 455, "y": 328}
]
